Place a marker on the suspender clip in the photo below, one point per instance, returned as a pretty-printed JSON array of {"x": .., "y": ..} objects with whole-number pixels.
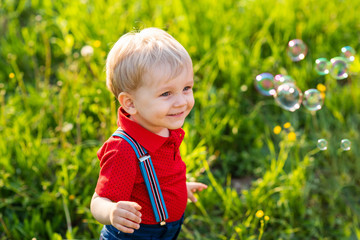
[
  {"x": 162, "y": 223},
  {"x": 143, "y": 158}
]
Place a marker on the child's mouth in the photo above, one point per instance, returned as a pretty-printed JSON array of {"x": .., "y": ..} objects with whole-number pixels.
[{"x": 176, "y": 114}]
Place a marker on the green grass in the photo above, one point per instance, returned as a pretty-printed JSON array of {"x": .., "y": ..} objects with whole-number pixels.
[{"x": 55, "y": 112}]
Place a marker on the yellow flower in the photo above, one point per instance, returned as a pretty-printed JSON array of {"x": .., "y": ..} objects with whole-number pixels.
[
  {"x": 97, "y": 43},
  {"x": 277, "y": 130},
  {"x": 292, "y": 136},
  {"x": 11, "y": 75},
  {"x": 321, "y": 87},
  {"x": 287, "y": 125},
  {"x": 266, "y": 218},
  {"x": 71, "y": 197},
  {"x": 259, "y": 214},
  {"x": 238, "y": 229}
]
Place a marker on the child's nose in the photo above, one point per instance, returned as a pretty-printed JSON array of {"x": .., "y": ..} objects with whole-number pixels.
[{"x": 180, "y": 100}]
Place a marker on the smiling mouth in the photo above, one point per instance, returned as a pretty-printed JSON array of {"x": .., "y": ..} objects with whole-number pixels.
[{"x": 176, "y": 114}]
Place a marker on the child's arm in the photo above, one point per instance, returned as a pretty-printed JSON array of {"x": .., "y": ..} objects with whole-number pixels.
[
  {"x": 193, "y": 187},
  {"x": 123, "y": 215}
]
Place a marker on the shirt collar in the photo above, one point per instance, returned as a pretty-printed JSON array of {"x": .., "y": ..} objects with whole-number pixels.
[{"x": 150, "y": 141}]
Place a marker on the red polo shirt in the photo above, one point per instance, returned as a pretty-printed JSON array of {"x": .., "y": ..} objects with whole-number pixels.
[{"x": 120, "y": 177}]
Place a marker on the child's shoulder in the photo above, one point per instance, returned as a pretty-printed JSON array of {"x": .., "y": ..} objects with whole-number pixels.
[
  {"x": 116, "y": 145},
  {"x": 117, "y": 142}
]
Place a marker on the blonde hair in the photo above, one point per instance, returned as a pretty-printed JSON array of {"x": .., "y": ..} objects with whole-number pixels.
[{"x": 136, "y": 53}]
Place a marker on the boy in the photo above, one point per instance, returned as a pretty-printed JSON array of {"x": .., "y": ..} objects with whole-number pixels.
[{"x": 151, "y": 75}]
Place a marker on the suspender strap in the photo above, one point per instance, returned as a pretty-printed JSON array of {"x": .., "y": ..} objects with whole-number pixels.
[{"x": 149, "y": 175}]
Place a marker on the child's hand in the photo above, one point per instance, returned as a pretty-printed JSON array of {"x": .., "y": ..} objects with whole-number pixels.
[
  {"x": 125, "y": 216},
  {"x": 193, "y": 187}
]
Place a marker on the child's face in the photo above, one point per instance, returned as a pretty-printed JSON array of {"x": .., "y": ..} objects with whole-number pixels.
[{"x": 163, "y": 104}]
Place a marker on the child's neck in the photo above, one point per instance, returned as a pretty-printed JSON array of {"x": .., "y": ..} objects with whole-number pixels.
[{"x": 163, "y": 132}]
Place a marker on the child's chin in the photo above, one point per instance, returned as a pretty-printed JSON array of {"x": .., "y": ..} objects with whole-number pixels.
[{"x": 176, "y": 126}]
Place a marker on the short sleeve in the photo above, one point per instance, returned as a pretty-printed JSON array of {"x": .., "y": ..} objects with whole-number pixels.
[{"x": 118, "y": 170}]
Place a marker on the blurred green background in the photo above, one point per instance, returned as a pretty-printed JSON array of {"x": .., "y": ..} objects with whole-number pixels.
[{"x": 55, "y": 112}]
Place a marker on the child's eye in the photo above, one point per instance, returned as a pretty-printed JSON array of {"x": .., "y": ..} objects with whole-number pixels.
[
  {"x": 187, "y": 88},
  {"x": 165, "y": 94}
]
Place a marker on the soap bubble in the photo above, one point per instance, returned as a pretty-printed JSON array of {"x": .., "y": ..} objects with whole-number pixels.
[
  {"x": 313, "y": 100},
  {"x": 339, "y": 68},
  {"x": 288, "y": 96},
  {"x": 322, "y": 66},
  {"x": 264, "y": 83},
  {"x": 281, "y": 79},
  {"x": 345, "y": 144},
  {"x": 278, "y": 77},
  {"x": 297, "y": 50},
  {"x": 348, "y": 53},
  {"x": 322, "y": 144}
]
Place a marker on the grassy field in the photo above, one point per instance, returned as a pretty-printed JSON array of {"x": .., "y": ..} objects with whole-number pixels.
[{"x": 55, "y": 112}]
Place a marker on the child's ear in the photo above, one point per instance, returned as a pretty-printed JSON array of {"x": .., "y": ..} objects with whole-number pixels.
[{"x": 126, "y": 101}]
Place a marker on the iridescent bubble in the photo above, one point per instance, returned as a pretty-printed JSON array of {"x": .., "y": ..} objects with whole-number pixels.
[
  {"x": 348, "y": 53},
  {"x": 264, "y": 83},
  {"x": 313, "y": 100},
  {"x": 288, "y": 96},
  {"x": 322, "y": 66},
  {"x": 281, "y": 79},
  {"x": 322, "y": 144},
  {"x": 297, "y": 50},
  {"x": 339, "y": 68},
  {"x": 278, "y": 77},
  {"x": 345, "y": 144}
]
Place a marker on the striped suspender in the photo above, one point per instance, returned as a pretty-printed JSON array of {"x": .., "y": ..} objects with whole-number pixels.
[{"x": 149, "y": 175}]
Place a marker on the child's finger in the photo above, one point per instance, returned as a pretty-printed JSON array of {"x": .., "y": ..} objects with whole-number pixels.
[
  {"x": 130, "y": 206},
  {"x": 192, "y": 197},
  {"x": 133, "y": 204},
  {"x": 129, "y": 215},
  {"x": 125, "y": 225},
  {"x": 202, "y": 186},
  {"x": 128, "y": 211},
  {"x": 198, "y": 186}
]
